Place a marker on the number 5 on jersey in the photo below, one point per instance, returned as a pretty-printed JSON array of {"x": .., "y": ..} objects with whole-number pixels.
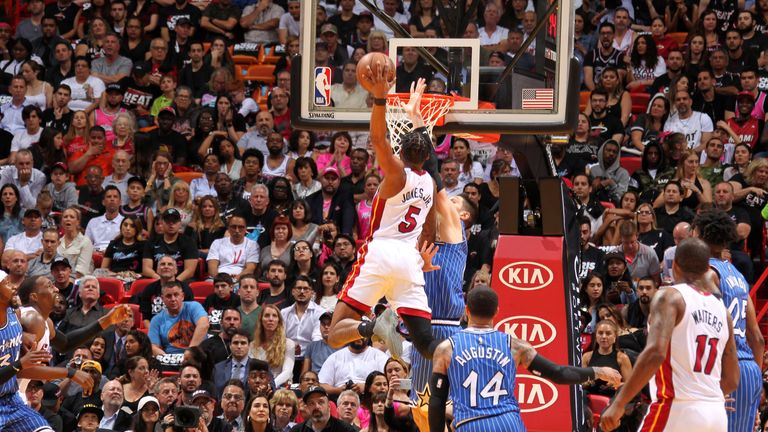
[{"x": 409, "y": 220}]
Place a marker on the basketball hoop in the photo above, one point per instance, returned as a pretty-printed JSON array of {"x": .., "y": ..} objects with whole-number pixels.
[{"x": 433, "y": 110}]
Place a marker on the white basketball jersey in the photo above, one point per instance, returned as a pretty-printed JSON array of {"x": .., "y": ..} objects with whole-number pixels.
[
  {"x": 43, "y": 344},
  {"x": 402, "y": 216},
  {"x": 692, "y": 368}
]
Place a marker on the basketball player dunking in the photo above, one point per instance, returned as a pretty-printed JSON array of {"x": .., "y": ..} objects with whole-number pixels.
[
  {"x": 482, "y": 387},
  {"x": 690, "y": 353},
  {"x": 716, "y": 228},
  {"x": 390, "y": 263},
  {"x": 15, "y": 415}
]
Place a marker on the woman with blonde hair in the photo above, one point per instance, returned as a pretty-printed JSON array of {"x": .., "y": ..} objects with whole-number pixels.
[
  {"x": 647, "y": 232},
  {"x": 74, "y": 246},
  {"x": 396, "y": 370},
  {"x": 206, "y": 225},
  {"x": 181, "y": 200},
  {"x": 696, "y": 189},
  {"x": 285, "y": 408},
  {"x": 123, "y": 128},
  {"x": 377, "y": 42},
  {"x": 271, "y": 345}
]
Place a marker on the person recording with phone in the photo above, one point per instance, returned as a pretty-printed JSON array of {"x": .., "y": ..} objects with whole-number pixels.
[{"x": 619, "y": 285}]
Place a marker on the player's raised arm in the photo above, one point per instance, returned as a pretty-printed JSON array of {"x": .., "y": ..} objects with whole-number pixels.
[
  {"x": 394, "y": 172},
  {"x": 667, "y": 308}
]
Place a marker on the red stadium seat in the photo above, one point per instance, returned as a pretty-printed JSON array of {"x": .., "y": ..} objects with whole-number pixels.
[
  {"x": 201, "y": 289},
  {"x": 137, "y": 287},
  {"x": 261, "y": 286},
  {"x": 202, "y": 270},
  {"x": 597, "y": 404},
  {"x": 112, "y": 287},
  {"x": 640, "y": 102},
  {"x": 97, "y": 257},
  {"x": 631, "y": 163},
  {"x": 584, "y": 100},
  {"x": 679, "y": 37}
]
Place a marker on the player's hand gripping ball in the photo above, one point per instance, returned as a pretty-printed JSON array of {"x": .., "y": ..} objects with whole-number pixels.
[{"x": 370, "y": 60}]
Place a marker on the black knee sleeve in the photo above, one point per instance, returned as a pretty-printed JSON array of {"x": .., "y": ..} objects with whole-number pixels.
[{"x": 420, "y": 330}]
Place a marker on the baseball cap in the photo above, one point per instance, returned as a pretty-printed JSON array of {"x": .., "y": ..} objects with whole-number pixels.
[
  {"x": 50, "y": 395},
  {"x": 258, "y": 365},
  {"x": 60, "y": 165},
  {"x": 171, "y": 213},
  {"x": 202, "y": 393},
  {"x": 137, "y": 179},
  {"x": 328, "y": 28},
  {"x": 615, "y": 255},
  {"x": 140, "y": 69},
  {"x": 148, "y": 399},
  {"x": 114, "y": 87},
  {"x": 167, "y": 110},
  {"x": 91, "y": 408},
  {"x": 31, "y": 211},
  {"x": 91, "y": 364},
  {"x": 60, "y": 261},
  {"x": 314, "y": 390},
  {"x": 331, "y": 170},
  {"x": 745, "y": 94},
  {"x": 183, "y": 21}
]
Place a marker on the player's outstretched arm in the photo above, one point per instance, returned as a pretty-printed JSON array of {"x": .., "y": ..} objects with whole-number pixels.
[
  {"x": 527, "y": 356},
  {"x": 46, "y": 373},
  {"x": 667, "y": 309},
  {"x": 67, "y": 342},
  {"x": 439, "y": 386},
  {"x": 449, "y": 222},
  {"x": 394, "y": 173},
  {"x": 729, "y": 376},
  {"x": 30, "y": 359}
]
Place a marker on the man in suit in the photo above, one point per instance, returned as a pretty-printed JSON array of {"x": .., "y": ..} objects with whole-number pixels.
[
  {"x": 115, "y": 418},
  {"x": 236, "y": 366},
  {"x": 341, "y": 210},
  {"x": 114, "y": 350}
]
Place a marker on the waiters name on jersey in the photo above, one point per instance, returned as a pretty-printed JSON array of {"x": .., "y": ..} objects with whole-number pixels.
[
  {"x": 703, "y": 316},
  {"x": 417, "y": 193},
  {"x": 464, "y": 356}
]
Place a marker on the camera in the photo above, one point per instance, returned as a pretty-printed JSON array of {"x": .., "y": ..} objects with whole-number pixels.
[{"x": 186, "y": 416}]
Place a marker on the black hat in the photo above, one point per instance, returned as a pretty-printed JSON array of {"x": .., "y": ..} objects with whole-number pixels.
[
  {"x": 258, "y": 365},
  {"x": 615, "y": 255},
  {"x": 137, "y": 179},
  {"x": 183, "y": 21},
  {"x": 32, "y": 210},
  {"x": 171, "y": 213},
  {"x": 91, "y": 408},
  {"x": 167, "y": 110},
  {"x": 314, "y": 390},
  {"x": 365, "y": 14},
  {"x": 326, "y": 315},
  {"x": 60, "y": 165},
  {"x": 202, "y": 393},
  {"x": 140, "y": 69},
  {"x": 60, "y": 260},
  {"x": 114, "y": 87}
]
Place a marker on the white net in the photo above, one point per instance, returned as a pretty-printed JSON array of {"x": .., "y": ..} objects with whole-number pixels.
[{"x": 433, "y": 110}]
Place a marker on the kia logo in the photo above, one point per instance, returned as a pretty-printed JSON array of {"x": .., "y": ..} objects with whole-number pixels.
[
  {"x": 534, "y": 330},
  {"x": 534, "y": 393},
  {"x": 526, "y": 275}
]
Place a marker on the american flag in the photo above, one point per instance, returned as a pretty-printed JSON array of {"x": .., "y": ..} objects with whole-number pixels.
[{"x": 538, "y": 98}]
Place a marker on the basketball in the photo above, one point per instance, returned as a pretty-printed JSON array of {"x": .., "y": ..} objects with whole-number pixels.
[{"x": 371, "y": 59}]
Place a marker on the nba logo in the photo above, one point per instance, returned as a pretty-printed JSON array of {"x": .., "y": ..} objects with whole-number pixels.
[{"x": 323, "y": 86}]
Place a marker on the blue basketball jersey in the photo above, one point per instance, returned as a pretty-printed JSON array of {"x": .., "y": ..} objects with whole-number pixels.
[
  {"x": 10, "y": 348},
  {"x": 735, "y": 290},
  {"x": 481, "y": 375},
  {"x": 444, "y": 287}
]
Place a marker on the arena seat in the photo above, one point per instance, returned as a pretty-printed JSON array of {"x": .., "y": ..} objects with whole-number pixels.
[
  {"x": 679, "y": 37},
  {"x": 242, "y": 59},
  {"x": 631, "y": 163},
  {"x": 267, "y": 55},
  {"x": 201, "y": 273},
  {"x": 112, "y": 287},
  {"x": 201, "y": 290},
  {"x": 97, "y": 258},
  {"x": 598, "y": 404},
  {"x": 640, "y": 102},
  {"x": 137, "y": 287},
  {"x": 188, "y": 176},
  {"x": 583, "y": 100}
]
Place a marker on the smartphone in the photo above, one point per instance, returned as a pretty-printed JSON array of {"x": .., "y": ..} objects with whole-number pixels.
[{"x": 406, "y": 384}]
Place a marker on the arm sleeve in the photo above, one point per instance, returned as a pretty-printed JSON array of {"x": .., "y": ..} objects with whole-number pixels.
[
  {"x": 558, "y": 374},
  {"x": 439, "y": 386},
  {"x": 67, "y": 342},
  {"x": 285, "y": 375},
  {"x": 10, "y": 371}
]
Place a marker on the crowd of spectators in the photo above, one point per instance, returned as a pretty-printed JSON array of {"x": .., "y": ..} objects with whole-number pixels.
[{"x": 109, "y": 107}]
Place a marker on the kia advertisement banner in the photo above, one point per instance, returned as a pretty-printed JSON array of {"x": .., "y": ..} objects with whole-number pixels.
[{"x": 532, "y": 279}]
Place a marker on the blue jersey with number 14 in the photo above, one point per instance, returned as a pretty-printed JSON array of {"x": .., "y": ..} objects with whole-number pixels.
[
  {"x": 735, "y": 290},
  {"x": 482, "y": 375},
  {"x": 10, "y": 348}
]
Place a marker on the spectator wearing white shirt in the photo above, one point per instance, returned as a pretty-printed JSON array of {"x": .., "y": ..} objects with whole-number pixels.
[
  {"x": 492, "y": 34},
  {"x": 349, "y": 93},
  {"x": 352, "y": 363},
  {"x": 203, "y": 186},
  {"x": 86, "y": 88},
  {"x": 121, "y": 162},
  {"x": 103, "y": 229},
  {"x": 29, "y": 241},
  {"x": 696, "y": 126},
  {"x": 389, "y": 7},
  {"x": 301, "y": 318},
  {"x": 290, "y": 22},
  {"x": 12, "y": 120},
  {"x": 235, "y": 254},
  {"x": 28, "y": 180},
  {"x": 32, "y": 117}
]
